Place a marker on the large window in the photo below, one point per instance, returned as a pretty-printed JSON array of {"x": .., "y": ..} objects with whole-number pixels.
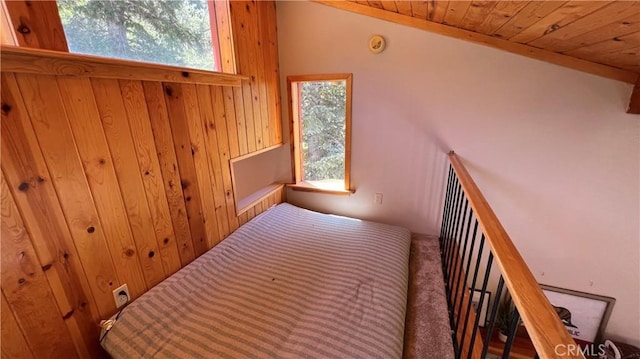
[
  {"x": 172, "y": 32},
  {"x": 321, "y": 123}
]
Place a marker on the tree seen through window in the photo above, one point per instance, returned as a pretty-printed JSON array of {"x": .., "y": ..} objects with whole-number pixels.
[
  {"x": 173, "y": 32},
  {"x": 323, "y": 114}
]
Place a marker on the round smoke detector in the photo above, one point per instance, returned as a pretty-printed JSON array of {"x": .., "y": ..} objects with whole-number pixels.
[{"x": 376, "y": 44}]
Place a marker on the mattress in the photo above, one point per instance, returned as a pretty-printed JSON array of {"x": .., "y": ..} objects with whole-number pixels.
[{"x": 291, "y": 283}]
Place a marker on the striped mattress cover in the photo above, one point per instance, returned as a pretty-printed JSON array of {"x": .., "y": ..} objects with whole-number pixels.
[{"x": 290, "y": 283}]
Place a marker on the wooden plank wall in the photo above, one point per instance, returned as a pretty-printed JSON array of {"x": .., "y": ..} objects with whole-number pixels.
[{"x": 108, "y": 181}]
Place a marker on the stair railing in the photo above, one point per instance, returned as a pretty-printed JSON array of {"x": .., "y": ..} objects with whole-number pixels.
[{"x": 472, "y": 240}]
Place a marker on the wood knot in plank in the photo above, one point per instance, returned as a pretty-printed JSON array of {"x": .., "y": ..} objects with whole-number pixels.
[
  {"x": 46, "y": 267},
  {"x": 552, "y": 28},
  {"x": 23, "y": 29},
  {"x": 68, "y": 315},
  {"x": 168, "y": 90},
  {"x": 23, "y": 187},
  {"x": 65, "y": 256},
  {"x": 6, "y": 108},
  {"x": 91, "y": 229},
  {"x": 152, "y": 254},
  {"x": 40, "y": 179},
  {"x": 185, "y": 184},
  {"x": 185, "y": 74},
  {"x": 22, "y": 281},
  {"x": 165, "y": 241},
  {"x": 129, "y": 252}
]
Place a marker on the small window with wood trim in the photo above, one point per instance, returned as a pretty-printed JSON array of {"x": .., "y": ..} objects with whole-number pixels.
[
  {"x": 321, "y": 131},
  {"x": 175, "y": 32}
]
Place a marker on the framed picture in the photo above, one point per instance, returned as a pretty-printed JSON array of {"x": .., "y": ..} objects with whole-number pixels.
[
  {"x": 584, "y": 315},
  {"x": 475, "y": 300}
]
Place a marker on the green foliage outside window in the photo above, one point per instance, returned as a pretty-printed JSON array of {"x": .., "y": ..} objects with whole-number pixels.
[
  {"x": 174, "y": 32},
  {"x": 323, "y": 105}
]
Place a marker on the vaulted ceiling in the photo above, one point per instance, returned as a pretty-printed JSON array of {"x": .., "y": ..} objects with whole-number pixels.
[{"x": 603, "y": 33}]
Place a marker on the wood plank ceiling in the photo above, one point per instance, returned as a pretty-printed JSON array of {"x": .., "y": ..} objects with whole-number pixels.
[{"x": 603, "y": 32}]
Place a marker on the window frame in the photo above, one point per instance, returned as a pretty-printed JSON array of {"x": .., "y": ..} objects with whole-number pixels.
[
  {"x": 55, "y": 38},
  {"x": 295, "y": 131},
  {"x": 215, "y": 42}
]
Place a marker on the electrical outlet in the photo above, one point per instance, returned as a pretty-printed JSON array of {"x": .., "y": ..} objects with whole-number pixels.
[
  {"x": 377, "y": 199},
  {"x": 121, "y": 295}
]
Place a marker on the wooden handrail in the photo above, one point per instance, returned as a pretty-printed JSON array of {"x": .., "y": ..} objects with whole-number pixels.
[
  {"x": 46, "y": 62},
  {"x": 541, "y": 320}
]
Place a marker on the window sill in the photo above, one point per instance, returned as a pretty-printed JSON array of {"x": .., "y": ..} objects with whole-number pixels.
[
  {"x": 28, "y": 60},
  {"x": 248, "y": 202},
  {"x": 307, "y": 187}
]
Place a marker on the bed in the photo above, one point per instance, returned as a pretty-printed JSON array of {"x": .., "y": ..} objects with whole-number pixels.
[{"x": 290, "y": 283}]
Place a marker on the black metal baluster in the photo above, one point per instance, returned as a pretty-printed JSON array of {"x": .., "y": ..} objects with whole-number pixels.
[
  {"x": 455, "y": 192},
  {"x": 446, "y": 202},
  {"x": 452, "y": 218},
  {"x": 453, "y": 245},
  {"x": 457, "y": 280},
  {"x": 466, "y": 278},
  {"x": 459, "y": 277},
  {"x": 492, "y": 321},
  {"x": 457, "y": 239},
  {"x": 513, "y": 327},
  {"x": 445, "y": 214},
  {"x": 456, "y": 212},
  {"x": 487, "y": 272}
]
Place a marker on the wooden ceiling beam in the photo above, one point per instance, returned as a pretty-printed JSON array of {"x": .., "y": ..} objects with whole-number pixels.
[
  {"x": 634, "y": 102},
  {"x": 516, "y": 48}
]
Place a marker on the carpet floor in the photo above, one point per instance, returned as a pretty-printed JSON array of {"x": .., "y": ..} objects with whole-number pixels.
[{"x": 427, "y": 330}]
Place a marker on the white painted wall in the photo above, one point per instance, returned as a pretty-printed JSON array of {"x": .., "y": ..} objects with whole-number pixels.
[
  {"x": 256, "y": 172},
  {"x": 551, "y": 148}
]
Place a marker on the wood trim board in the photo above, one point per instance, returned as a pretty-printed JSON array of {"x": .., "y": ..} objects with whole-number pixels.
[{"x": 46, "y": 62}]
